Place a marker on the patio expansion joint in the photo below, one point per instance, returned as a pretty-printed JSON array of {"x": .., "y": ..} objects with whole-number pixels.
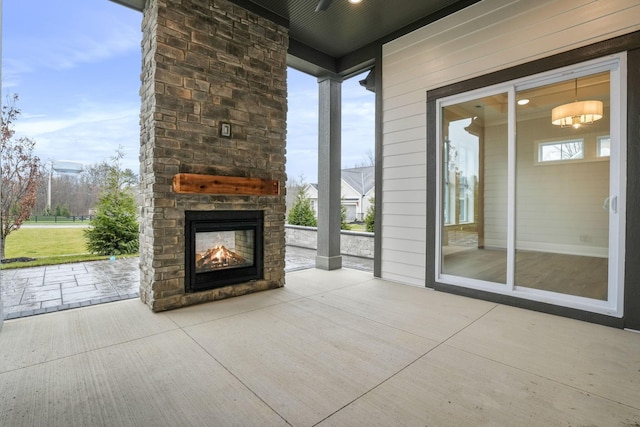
[
  {"x": 535, "y": 374},
  {"x": 551, "y": 380},
  {"x": 229, "y": 371},
  {"x": 240, "y": 313},
  {"x": 312, "y": 298},
  {"x": 402, "y": 369},
  {"x": 324, "y": 292}
]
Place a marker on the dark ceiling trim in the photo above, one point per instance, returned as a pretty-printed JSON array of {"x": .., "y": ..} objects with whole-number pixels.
[
  {"x": 358, "y": 59},
  {"x": 313, "y": 56}
]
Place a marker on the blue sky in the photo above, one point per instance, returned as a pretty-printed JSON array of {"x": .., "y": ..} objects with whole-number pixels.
[{"x": 75, "y": 65}]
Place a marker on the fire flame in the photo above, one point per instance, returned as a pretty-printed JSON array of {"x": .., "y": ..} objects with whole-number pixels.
[{"x": 218, "y": 257}]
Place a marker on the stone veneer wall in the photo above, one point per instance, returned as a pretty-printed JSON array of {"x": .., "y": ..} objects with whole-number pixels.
[
  {"x": 207, "y": 62},
  {"x": 352, "y": 243}
]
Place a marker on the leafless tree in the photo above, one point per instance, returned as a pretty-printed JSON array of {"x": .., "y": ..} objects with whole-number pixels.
[
  {"x": 294, "y": 186},
  {"x": 79, "y": 193},
  {"x": 368, "y": 160},
  {"x": 567, "y": 150},
  {"x": 21, "y": 174}
]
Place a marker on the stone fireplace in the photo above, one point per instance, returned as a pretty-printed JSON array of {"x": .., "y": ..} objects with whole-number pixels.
[
  {"x": 222, "y": 248},
  {"x": 213, "y": 105}
]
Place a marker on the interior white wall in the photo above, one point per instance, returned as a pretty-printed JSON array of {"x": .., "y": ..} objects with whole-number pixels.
[
  {"x": 558, "y": 205},
  {"x": 495, "y": 186}
]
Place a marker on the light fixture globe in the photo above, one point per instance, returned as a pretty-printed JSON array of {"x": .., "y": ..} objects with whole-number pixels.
[{"x": 577, "y": 113}]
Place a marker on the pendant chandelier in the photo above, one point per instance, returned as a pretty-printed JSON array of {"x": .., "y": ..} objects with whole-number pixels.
[{"x": 577, "y": 113}]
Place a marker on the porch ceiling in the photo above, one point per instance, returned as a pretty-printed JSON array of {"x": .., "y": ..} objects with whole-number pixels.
[{"x": 342, "y": 39}]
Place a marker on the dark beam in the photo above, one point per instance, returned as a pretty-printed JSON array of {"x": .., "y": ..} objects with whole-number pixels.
[{"x": 309, "y": 59}]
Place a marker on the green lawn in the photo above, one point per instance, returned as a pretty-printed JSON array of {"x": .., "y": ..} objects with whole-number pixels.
[
  {"x": 56, "y": 245},
  {"x": 357, "y": 227},
  {"x": 39, "y": 242}
]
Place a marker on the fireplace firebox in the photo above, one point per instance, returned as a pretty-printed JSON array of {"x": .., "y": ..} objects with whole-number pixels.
[{"x": 222, "y": 248}]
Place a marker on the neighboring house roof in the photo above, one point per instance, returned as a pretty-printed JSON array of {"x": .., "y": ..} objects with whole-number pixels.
[{"x": 362, "y": 180}]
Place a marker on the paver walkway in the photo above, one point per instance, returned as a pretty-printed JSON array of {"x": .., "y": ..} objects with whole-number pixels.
[{"x": 38, "y": 290}]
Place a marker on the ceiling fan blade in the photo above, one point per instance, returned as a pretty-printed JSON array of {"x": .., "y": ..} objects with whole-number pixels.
[{"x": 323, "y": 5}]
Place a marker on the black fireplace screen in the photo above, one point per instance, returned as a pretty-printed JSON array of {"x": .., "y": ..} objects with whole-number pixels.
[{"x": 222, "y": 248}]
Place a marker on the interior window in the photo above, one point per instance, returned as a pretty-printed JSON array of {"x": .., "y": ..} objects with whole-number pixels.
[
  {"x": 603, "y": 146},
  {"x": 561, "y": 150}
]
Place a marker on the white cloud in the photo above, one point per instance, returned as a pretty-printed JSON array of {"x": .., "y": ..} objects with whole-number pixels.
[
  {"x": 88, "y": 136},
  {"x": 69, "y": 50},
  {"x": 63, "y": 36}
]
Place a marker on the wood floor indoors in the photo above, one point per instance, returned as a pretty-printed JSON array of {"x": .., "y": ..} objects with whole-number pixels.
[{"x": 568, "y": 274}]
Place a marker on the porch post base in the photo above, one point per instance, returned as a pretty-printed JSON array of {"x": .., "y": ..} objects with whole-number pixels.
[{"x": 329, "y": 263}]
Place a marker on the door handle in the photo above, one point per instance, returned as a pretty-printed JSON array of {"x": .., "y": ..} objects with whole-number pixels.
[{"x": 611, "y": 202}]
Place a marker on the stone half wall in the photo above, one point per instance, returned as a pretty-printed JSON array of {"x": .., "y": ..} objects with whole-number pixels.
[
  {"x": 352, "y": 243},
  {"x": 208, "y": 62}
]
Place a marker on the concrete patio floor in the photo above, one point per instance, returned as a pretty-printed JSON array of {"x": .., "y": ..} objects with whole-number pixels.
[{"x": 330, "y": 348}]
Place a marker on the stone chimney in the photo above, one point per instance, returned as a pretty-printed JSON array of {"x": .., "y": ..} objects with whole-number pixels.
[{"x": 208, "y": 64}]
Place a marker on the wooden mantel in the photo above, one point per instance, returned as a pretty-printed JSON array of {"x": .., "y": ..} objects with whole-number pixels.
[{"x": 214, "y": 184}]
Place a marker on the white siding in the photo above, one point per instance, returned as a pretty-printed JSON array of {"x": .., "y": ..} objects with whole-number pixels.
[{"x": 488, "y": 36}]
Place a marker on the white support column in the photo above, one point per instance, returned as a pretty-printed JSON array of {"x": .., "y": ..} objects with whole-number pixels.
[{"x": 329, "y": 172}]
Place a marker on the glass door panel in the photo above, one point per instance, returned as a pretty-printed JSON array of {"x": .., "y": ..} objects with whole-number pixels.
[
  {"x": 562, "y": 189},
  {"x": 473, "y": 232}
]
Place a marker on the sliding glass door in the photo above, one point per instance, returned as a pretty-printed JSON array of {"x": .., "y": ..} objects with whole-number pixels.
[
  {"x": 530, "y": 177},
  {"x": 563, "y": 191},
  {"x": 474, "y": 189}
]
